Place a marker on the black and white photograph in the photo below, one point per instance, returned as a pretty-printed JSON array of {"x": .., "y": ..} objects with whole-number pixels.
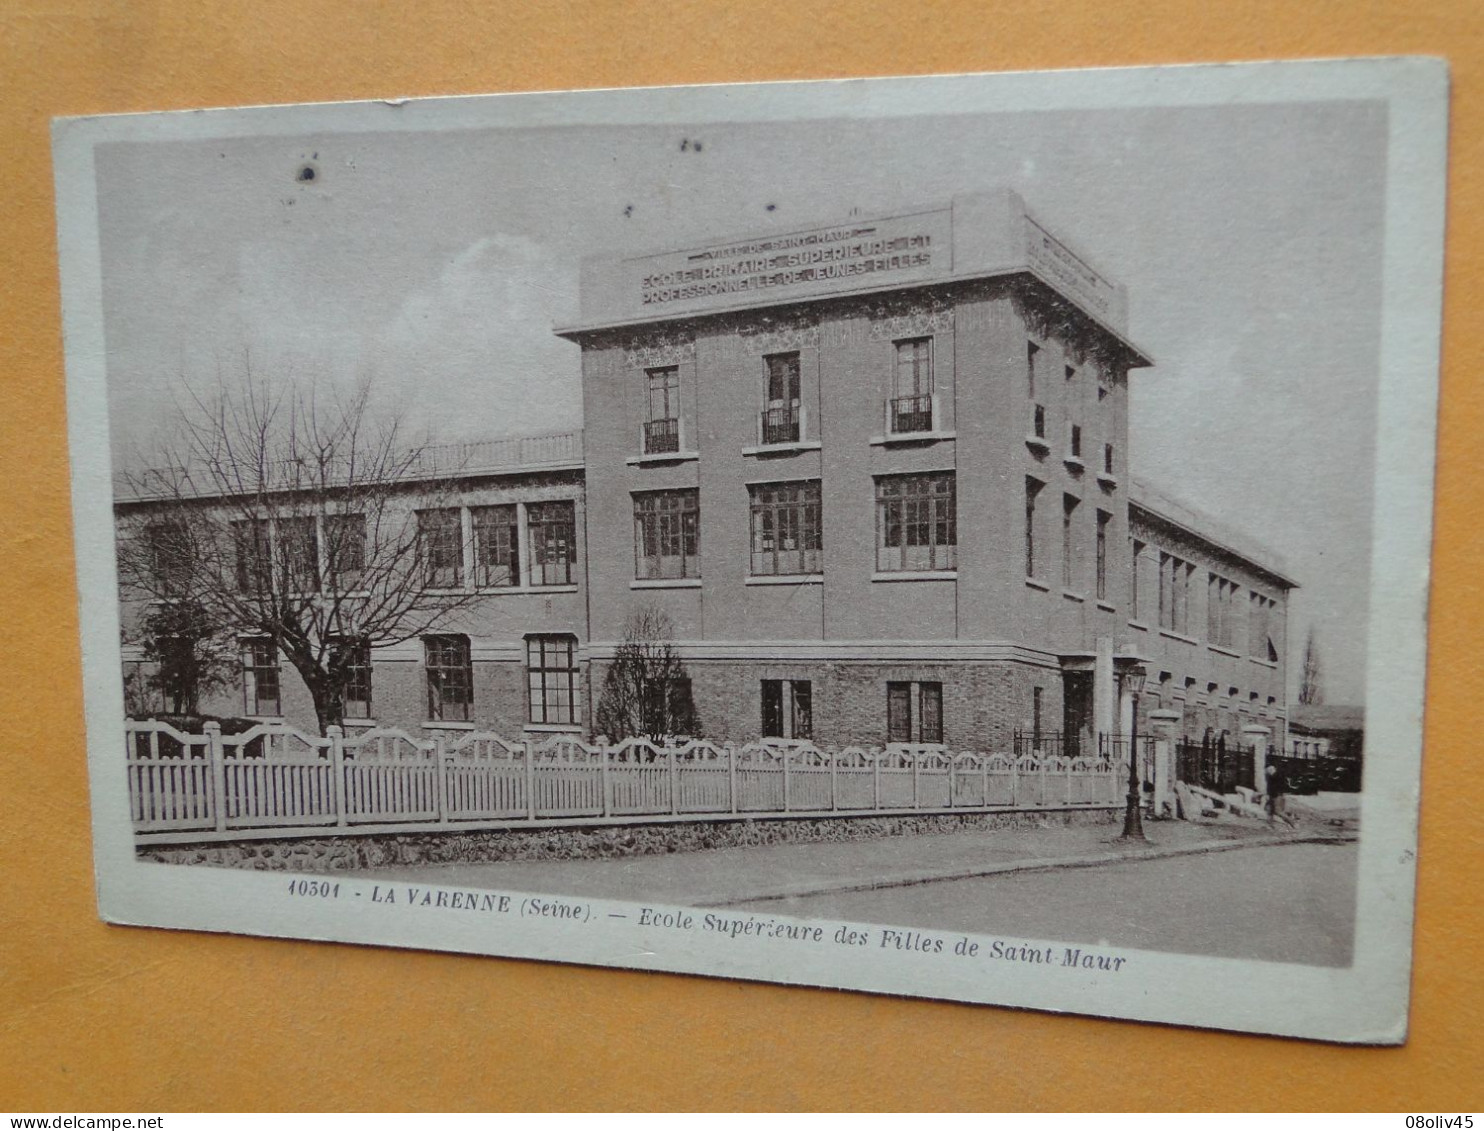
[{"x": 959, "y": 537}]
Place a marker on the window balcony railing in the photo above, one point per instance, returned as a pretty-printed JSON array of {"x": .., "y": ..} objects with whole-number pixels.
[
  {"x": 661, "y": 437},
  {"x": 907, "y": 415},
  {"x": 782, "y": 424}
]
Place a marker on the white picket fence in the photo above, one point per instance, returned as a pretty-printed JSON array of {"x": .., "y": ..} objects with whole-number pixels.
[{"x": 214, "y": 786}]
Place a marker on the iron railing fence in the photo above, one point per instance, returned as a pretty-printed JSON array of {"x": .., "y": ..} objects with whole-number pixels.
[
  {"x": 1216, "y": 766},
  {"x": 912, "y": 414},
  {"x": 211, "y": 786},
  {"x": 661, "y": 436},
  {"x": 781, "y": 424}
]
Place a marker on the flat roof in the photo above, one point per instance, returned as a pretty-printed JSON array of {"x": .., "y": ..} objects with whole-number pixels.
[
  {"x": 973, "y": 236},
  {"x": 1153, "y": 501}
]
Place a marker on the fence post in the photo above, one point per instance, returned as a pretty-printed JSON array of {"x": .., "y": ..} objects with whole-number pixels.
[
  {"x": 834, "y": 790},
  {"x": 530, "y": 750},
  {"x": 674, "y": 797},
  {"x": 785, "y": 778},
  {"x": 950, "y": 779},
  {"x": 218, "y": 774},
  {"x": 732, "y": 775},
  {"x": 603, "y": 752},
  {"x": 440, "y": 754},
  {"x": 876, "y": 780},
  {"x": 337, "y": 771},
  {"x": 916, "y": 761},
  {"x": 984, "y": 757},
  {"x": 1015, "y": 777}
]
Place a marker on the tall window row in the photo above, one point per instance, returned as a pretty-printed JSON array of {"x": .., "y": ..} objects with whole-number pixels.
[
  {"x": 485, "y": 545},
  {"x": 289, "y": 554}
]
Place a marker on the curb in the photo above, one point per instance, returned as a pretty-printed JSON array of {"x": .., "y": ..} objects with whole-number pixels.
[{"x": 1034, "y": 864}]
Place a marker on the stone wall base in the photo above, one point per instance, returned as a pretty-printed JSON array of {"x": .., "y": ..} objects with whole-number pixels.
[{"x": 354, "y": 853}]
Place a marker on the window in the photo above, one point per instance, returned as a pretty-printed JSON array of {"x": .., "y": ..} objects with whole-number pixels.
[
  {"x": 260, "y": 686},
  {"x": 1032, "y": 492},
  {"x": 1032, "y": 362},
  {"x": 551, "y": 669},
  {"x": 1069, "y": 504},
  {"x": 1133, "y": 577},
  {"x": 1107, "y": 459},
  {"x": 345, "y": 550},
  {"x": 553, "y": 533},
  {"x": 786, "y": 528},
  {"x": 1174, "y": 593},
  {"x": 1260, "y": 628},
  {"x": 912, "y": 402},
  {"x": 788, "y": 708},
  {"x": 450, "y": 678},
  {"x": 440, "y": 538},
  {"x": 667, "y": 534},
  {"x": 298, "y": 544},
  {"x": 916, "y": 527},
  {"x": 662, "y": 428},
  {"x": 781, "y": 417},
  {"x": 253, "y": 557},
  {"x": 353, "y": 657},
  {"x": 1074, "y": 442},
  {"x": 1038, "y": 421},
  {"x": 1104, "y": 518},
  {"x": 496, "y": 546},
  {"x": 1221, "y": 611},
  {"x": 1037, "y": 695},
  {"x": 900, "y": 716},
  {"x": 168, "y": 545}
]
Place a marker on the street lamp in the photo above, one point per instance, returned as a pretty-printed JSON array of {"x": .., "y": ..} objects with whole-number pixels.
[{"x": 1133, "y": 820}]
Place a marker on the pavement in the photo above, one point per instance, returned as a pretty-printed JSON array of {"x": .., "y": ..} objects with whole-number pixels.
[{"x": 730, "y": 876}]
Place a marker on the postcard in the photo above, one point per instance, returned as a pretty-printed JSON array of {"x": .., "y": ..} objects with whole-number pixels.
[{"x": 963, "y": 537}]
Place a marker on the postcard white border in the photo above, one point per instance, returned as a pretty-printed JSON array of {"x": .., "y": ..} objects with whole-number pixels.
[{"x": 1364, "y": 1003}]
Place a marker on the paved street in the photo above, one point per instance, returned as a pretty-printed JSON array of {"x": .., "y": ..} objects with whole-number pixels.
[
  {"x": 1291, "y": 903},
  {"x": 1235, "y": 888}
]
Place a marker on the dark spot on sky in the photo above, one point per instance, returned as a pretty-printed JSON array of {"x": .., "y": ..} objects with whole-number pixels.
[
  {"x": 306, "y": 173},
  {"x": 628, "y": 210},
  {"x": 690, "y": 144},
  {"x": 771, "y": 207}
]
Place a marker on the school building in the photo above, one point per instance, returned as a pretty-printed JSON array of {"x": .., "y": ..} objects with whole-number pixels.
[{"x": 874, "y": 473}]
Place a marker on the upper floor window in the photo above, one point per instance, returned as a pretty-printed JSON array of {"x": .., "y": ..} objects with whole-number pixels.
[
  {"x": 1174, "y": 593},
  {"x": 1069, "y": 505},
  {"x": 496, "y": 546},
  {"x": 345, "y": 550},
  {"x": 1136, "y": 551},
  {"x": 1032, "y": 493},
  {"x": 450, "y": 678},
  {"x": 440, "y": 536},
  {"x": 786, "y": 528},
  {"x": 353, "y": 657},
  {"x": 1104, "y": 518},
  {"x": 298, "y": 542},
  {"x": 912, "y": 399},
  {"x": 667, "y": 534},
  {"x": 1107, "y": 459},
  {"x": 253, "y": 555},
  {"x": 551, "y": 669},
  {"x": 171, "y": 558},
  {"x": 260, "y": 685},
  {"x": 782, "y": 417},
  {"x": 662, "y": 427},
  {"x": 1074, "y": 441},
  {"x": 1220, "y": 610},
  {"x": 916, "y": 522},
  {"x": 1032, "y": 366},
  {"x": 1260, "y": 628},
  {"x": 553, "y": 532}
]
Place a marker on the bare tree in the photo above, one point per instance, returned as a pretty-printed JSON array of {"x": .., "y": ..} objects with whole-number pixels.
[
  {"x": 646, "y": 691},
  {"x": 306, "y": 522},
  {"x": 1311, "y": 689}
]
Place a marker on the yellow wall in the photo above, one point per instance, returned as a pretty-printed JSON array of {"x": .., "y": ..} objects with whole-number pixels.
[{"x": 97, "y": 1018}]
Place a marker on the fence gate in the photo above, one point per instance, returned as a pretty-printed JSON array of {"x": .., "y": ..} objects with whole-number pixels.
[{"x": 1216, "y": 766}]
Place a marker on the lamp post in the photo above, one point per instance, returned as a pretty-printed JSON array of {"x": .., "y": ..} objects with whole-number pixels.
[{"x": 1133, "y": 820}]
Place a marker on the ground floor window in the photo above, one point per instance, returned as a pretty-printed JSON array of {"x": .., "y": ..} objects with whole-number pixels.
[
  {"x": 450, "y": 678},
  {"x": 260, "y": 687},
  {"x": 551, "y": 669},
  {"x": 914, "y": 712},
  {"x": 355, "y": 694},
  {"x": 788, "y": 708}
]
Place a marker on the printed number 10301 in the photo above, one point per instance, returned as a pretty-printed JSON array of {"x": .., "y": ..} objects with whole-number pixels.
[{"x": 321, "y": 888}]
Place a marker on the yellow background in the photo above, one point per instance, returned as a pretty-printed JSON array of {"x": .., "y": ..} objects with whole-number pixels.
[{"x": 95, "y": 1018}]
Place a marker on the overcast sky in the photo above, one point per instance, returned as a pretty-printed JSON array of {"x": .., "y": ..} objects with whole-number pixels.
[{"x": 437, "y": 263}]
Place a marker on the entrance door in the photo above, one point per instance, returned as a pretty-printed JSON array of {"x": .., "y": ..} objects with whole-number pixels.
[{"x": 1076, "y": 698}]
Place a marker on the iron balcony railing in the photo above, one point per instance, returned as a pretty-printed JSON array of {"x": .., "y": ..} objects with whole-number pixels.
[
  {"x": 782, "y": 424},
  {"x": 911, "y": 414},
  {"x": 661, "y": 436}
]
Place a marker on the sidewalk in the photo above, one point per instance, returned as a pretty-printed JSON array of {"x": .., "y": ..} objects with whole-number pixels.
[{"x": 723, "y": 877}]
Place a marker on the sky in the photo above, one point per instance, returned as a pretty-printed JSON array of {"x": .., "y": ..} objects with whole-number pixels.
[{"x": 436, "y": 263}]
